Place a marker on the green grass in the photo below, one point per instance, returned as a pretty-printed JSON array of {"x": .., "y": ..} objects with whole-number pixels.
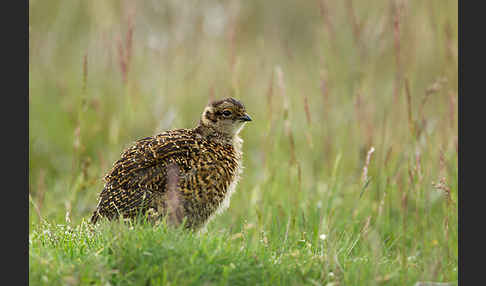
[
  {"x": 320, "y": 97},
  {"x": 125, "y": 255}
]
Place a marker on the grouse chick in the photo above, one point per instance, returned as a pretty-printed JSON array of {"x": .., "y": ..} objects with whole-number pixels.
[{"x": 207, "y": 161}]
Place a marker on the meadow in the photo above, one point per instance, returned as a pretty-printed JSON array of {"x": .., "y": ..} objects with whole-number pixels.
[{"x": 351, "y": 160}]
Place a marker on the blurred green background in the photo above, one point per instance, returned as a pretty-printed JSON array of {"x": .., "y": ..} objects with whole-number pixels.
[
  {"x": 105, "y": 73},
  {"x": 324, "y": 81}
]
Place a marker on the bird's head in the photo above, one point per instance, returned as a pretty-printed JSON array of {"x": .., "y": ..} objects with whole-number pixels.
[{"x": 226, "y": 116}]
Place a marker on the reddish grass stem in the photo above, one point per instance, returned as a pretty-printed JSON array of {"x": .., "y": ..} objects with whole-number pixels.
[
  {"x": 174, "y": 205},
  {"x": 397, "y": 45},
  {"x": 85, "y": 72},
  {"x": 411, "y": 123}
]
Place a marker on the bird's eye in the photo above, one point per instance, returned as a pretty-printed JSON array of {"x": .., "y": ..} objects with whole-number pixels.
[{"x": 226, "y": 113}]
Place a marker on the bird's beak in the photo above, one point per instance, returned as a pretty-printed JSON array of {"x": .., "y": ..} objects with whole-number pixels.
[{"x": 245, "y": 117}]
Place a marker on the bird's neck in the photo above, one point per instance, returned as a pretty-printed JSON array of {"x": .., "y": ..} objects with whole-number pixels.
[{"x": 211, "y": 134}]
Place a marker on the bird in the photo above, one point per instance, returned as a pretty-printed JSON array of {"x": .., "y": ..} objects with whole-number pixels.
[{"x": 187, "y": 174}]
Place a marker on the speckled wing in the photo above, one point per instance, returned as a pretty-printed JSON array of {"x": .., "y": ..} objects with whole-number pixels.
[{"x": 140, "y": 174}]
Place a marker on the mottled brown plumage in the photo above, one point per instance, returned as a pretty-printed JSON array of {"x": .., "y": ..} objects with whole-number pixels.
[{"x": 206, "y": 158}]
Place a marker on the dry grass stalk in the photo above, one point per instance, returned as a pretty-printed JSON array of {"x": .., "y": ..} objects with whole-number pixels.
[
  {"x": 125, "y": 49},
  {"x": 365, "y": 180},
  {"x": 396, "y": 40},
  {"x": 452, "y": 108},
  {"x": 308, "y": 134},
  {"x": 68, "y": 206},
  {"x": 85, "y": 72},
  {"x": 122, "y": 61},
  {"x": 364, "y": 177},
  {"x": 356, "y": 27},
  {"x": 77, "y": 146},
  {"x": 418, "y": 166},
  {"x": 174, "y": 204},
  {"x": 129, "y": 38},
  {"x": 411, "y": 176},
  {"x": 442, "y": 163},
  {"x": 435, "y": 87},
  {"x": 366, "y": 227},
  {"x": 292, "y": 147},
  {"x": 306, "y": 109},
  {"x": 77, "y": 138},
  {"x": 325, "y": 95},
  {"x": 68, "y": 217},
  {"x": 408, "y": 96},
  {"x": 442, "y": 186},
  {"x": 85, "y": 164},
  {"x": 323, "y": 9},
  {"x": 449, "y": 41}
]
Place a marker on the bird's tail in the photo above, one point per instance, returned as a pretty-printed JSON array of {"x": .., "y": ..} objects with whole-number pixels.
[{"x": 96, "y": 215}]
